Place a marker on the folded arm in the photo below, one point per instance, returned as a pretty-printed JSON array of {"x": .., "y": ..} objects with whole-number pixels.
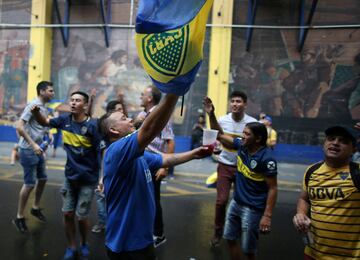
[
  {"x": 42, "y": 120},
  {"x": 20, "y": 128}
]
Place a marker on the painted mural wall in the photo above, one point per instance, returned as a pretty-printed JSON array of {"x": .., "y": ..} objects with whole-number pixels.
[
  {"x": 114, "y": 72},
  {"x": 301, "y": 91},
  {"x": 14, "y": 55}
]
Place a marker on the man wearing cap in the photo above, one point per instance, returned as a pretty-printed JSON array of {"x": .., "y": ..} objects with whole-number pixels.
[
  {"x": 272, "y": 135},
  {"x": 328, "y": 209}
]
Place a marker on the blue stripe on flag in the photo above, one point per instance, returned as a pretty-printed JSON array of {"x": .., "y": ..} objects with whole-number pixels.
[
  {"x": 179, "y": 85},
  {"x": 155, "y": 16}
]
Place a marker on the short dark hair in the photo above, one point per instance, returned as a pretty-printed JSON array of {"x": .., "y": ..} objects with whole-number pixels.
[
  {"x": 156, "y": 94},
  {"x": 112, "y": 104},
  {"x": 238, "y": 93},
  {"x": 103, "y": 124},
  {"x": 259, "y": 130},
  {"x": 43, "y": 85},
  {"x": 86, "y": 96}
]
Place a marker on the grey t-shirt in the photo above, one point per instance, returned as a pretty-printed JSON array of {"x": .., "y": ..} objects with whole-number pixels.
[{"x": 32, "y": 127}]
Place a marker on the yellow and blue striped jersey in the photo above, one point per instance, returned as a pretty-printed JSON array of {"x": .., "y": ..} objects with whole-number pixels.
[
  {"x": 335, "y": 214},
  {"x": 82, "y": 143},
  {"x": 250, "y": 186}
]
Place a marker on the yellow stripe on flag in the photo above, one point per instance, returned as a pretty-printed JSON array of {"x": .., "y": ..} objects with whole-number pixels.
[{"x": 169, "y": 54}]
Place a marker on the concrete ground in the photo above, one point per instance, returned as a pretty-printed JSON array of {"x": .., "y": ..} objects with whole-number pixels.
[{"x": 188, "y": 214}]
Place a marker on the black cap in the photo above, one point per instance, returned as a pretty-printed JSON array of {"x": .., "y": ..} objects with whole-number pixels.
[{"x": 343, "y": 131}]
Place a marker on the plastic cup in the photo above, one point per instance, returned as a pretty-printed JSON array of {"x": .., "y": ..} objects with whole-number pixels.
[{"x": 209, "y": 136}]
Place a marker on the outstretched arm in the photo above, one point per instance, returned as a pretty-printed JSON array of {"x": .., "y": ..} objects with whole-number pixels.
[
  {"x": 156, "y": 120},
  {"x": 42, "y": 120},
  {"x": 179, "y": 158},
  {"x": 224, "y": 139}
]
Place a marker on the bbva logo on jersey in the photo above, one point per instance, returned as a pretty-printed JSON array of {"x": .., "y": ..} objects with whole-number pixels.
[{"x": 324, "y": 193}]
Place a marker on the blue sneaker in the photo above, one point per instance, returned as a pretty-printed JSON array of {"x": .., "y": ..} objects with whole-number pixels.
[
  {"x": 84, "y": 251},
  {"x": 70, "y": 254}
]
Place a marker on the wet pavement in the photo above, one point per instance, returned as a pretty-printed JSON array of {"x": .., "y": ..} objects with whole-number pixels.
[{"x": 188, "y": 214}]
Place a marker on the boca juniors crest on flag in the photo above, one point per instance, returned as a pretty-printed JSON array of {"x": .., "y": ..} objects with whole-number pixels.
[{"x": 169, "y": 38}]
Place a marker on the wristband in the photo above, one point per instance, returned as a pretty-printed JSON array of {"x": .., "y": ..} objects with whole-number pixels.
[{"x": 268, "y": 216}]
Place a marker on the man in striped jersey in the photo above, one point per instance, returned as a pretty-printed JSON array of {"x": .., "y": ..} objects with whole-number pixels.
[
  {"x": 233, "y": 124},
  {"x": 82, "y": 143},
  {"x": 328, "y": 209}
]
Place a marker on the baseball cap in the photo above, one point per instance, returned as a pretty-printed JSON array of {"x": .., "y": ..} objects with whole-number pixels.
[
  {"x": 342, "y": 131},
  {"x": 268, "y": 119}
]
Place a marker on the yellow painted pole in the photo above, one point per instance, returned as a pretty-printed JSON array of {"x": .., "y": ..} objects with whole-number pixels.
[
  {"x": 40, "y": 46},
  {"x": 219, "y": 58}
]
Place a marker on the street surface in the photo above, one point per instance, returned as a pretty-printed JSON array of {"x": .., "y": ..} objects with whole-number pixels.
[{"x": 188, "y": 214}]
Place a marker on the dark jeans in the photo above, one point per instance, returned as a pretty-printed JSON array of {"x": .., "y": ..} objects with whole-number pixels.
[
  {"x": 147, "y": 253},
  {"x": 226, "y": 176},
  {"x": 158, "y": 223}
]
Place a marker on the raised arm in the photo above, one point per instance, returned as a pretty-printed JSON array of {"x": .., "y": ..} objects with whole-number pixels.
[
  {"x": 20, "y": 127},
  {"x": 224, "y": 139},
  {"x": 210, "y": 110},
  {"x": 42, "y": 120},
  {"x": 91, "y": 104},
  {"x": 156, "y": 120}
]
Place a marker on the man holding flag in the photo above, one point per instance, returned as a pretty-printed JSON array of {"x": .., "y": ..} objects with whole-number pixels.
[{"x": 169, "y": 38}]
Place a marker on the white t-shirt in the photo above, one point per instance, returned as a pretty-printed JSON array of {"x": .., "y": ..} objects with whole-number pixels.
[{"x": 234, "y": 129}]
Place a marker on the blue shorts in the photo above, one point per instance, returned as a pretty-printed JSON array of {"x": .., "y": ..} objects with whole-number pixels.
[
  {"x": 242, "y": 223},
  {"x": 31, "y": 163},
  {"x": 77, "y": 197}
]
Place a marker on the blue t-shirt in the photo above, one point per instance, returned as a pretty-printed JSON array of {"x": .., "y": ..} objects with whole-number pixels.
[
  {"x": 82, "y": 143},
  {"x": 250, "y": 185},
  {"x": 129, "y": 194}
]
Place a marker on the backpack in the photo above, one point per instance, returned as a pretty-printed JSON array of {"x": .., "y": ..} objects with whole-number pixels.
[{"x": 354, "y": 172}]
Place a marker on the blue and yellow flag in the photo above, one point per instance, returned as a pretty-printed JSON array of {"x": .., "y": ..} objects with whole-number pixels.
[{"x": 169, "y": 38}]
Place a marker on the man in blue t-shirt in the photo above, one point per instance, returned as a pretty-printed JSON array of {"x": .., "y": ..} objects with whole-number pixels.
[
  {"x": 250, "y": 210},
  {"x": 128, "y": 179},
  {"x": 82, "y": 143}
]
